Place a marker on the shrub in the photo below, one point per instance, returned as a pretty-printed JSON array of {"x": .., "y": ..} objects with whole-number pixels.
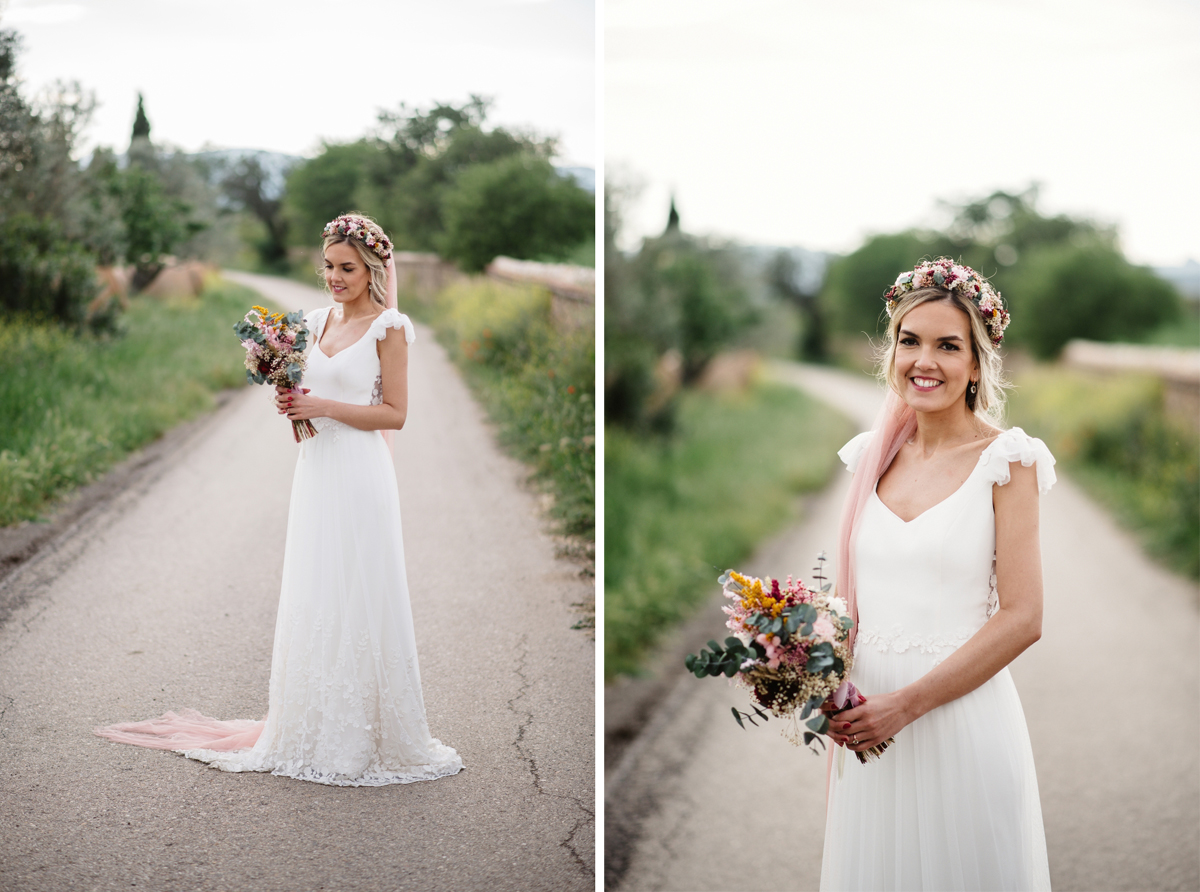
[
  {"x": 536, "y": 382},
  {"x": 1113, "y": 432},
  {"x": 43, "y": 276}
]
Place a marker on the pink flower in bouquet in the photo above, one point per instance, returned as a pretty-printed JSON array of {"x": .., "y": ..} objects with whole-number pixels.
[{"x": 825, "y": 630}]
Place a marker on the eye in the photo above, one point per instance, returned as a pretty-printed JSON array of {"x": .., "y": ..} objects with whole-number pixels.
[
  {"x": 908, "y": 342},
  {"x": 950, "y": 346}
]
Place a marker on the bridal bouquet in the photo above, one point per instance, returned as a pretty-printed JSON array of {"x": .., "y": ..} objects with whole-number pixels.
[
  {"x": 790, "y": 649},
  {"x": 275, "y": 345}
]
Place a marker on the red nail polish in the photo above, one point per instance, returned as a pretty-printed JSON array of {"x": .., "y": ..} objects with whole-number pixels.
[{"x": 846, "y": 726}]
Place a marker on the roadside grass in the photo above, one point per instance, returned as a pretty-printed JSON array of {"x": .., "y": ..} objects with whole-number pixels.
[
  {"x": 680, "y": 511},
  {"x": 1112, "y": 433},
  {"x": 536, "y": 381},
  {"x": 73, "y": 406}
]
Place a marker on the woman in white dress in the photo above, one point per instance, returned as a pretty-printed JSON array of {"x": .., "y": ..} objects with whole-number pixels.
[
  {"x": 345, "y": 702},
  {"x": 939, "y": 561}
]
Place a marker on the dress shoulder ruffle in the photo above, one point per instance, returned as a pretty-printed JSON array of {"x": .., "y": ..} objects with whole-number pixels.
[
  {"x": 392, "y": 318},
  {"x": 1016, "y": 445},
  {"x": 852, "y": 451},
  {"x": 315, "y": 320}
]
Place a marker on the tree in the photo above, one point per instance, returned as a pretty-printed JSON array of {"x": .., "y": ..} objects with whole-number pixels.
[
  {"x": 518, "y": 206},
  {"x": 678, "y": 302},
  {"x": 325, "y": 187},
  {"x": 248, "y": 184},
  {"x": 154, "y": 222},
  {"x": 784, "y": 278},
  {"x": 16, "y": 129},
  {"x": 403, "y": 174},
  {"x": 1087, "y": 291},
  {"x": 853, "y": 291},
  {"x": 141, "y": 124}
]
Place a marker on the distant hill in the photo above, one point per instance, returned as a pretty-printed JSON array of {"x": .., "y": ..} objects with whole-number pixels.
[
  {"x": 584, "y": 177},
  {"x": 1186, "y": 278},
  {"x": 276, "y": 164}
]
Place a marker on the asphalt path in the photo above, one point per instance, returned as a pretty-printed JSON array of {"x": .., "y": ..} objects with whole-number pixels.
[
  {"x": 166, "y": 598},
  {"x": 1111, "y": 695}
]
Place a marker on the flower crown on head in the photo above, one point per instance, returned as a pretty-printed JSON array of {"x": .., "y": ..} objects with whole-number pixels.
[
  {"x": 354, "y": 226},
  {"x": 945, "y": 273}
]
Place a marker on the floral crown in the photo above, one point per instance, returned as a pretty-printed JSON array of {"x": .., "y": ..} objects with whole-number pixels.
[
  {"x": 354, "y": 226},
  {"x": 945, "y": 273}
]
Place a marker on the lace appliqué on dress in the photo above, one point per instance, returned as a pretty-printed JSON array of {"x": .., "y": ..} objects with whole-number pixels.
[
  {"x": 898, "y": 641},
  {"x": 329, "y": 427},
  {"x": 993, "y": 601},
  {"x": 377, "y": 391}
]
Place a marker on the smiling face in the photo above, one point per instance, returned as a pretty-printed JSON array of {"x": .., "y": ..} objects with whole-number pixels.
[
  {"x": 934, "y": 362},
  {"x": 346, "y": 275}
]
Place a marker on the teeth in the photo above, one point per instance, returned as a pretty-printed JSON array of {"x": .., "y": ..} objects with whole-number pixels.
[{"x": 926, "y": 382}]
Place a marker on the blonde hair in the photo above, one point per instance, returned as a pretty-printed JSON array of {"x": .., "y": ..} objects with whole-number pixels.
[
  {"x": 375, "y": 264},
  {"x": 988, "y": 402}
]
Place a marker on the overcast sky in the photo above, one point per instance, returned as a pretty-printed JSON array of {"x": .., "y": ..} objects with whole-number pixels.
[
  {"x": 285, "y": 74},
  {"x": 817, "y": 123}
]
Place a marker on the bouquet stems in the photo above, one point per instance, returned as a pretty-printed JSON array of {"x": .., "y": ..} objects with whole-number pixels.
[{"x": 303, "y": 429}]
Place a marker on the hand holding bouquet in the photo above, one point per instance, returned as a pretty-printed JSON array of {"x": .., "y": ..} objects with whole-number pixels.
[
  {"x": 790, "y": 648},
  {"x": 275, "y": 346}
]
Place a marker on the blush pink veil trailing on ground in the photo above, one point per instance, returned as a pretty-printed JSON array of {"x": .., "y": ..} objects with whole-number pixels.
[
  {"x": 894, "y": 424},
  {"x": 390, "y": 304},
  {"x": 187, "y": 730}
]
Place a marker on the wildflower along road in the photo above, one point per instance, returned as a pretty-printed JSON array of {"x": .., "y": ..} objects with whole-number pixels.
[
  {"x": 1111, "y": 696},
  {"x": 167, "y": 599}
]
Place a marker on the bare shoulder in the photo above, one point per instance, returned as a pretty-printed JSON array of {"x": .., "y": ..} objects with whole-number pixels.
[
  {"x": 394, "y": 342},
  {"x": 1019, "y": 496}
]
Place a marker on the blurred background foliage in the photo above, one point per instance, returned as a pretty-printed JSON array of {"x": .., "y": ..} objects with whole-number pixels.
[
  {"x": 699, "y": 466},
  {"x": 438, "y": 179}
]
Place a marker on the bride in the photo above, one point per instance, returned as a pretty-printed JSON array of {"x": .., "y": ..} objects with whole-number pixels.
[
  {"x": 939, "y": 561},
  {"x": 345, "y": 703}
]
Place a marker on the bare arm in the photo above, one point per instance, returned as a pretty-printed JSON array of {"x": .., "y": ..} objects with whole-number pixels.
[
  {"x": 389, "y": 415},
  {"x": 1015, "y": 626}
]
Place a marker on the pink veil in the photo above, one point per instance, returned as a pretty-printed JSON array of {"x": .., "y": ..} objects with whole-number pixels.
[
  {"x": 187, "y": 730},
  {"x": 390, "y": 304},
  {"x": 894, "y": 424}
]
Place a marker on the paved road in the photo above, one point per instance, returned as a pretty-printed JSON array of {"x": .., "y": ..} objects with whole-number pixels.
[
  {"x": 1110, "y": 692},
  {"x": 168, "y": 600}
]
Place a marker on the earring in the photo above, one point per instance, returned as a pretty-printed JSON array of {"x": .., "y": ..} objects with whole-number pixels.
[{"x": 973, "y": 388}]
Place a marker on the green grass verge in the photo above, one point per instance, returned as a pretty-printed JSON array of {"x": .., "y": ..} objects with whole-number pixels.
[
  {"x": 680, "y": 511},
  {"x": 536, "y": 381},
  {"x": 1112, "y": 434},
  {"x": 72, "y": 406}
]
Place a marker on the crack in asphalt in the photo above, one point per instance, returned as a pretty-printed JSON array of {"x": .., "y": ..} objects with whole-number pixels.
[{"x": 568, "y": 843}]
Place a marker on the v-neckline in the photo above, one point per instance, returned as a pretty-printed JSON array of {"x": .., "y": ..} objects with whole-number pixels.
[
  {"x": 321, "y": 337},
  {"x": 961, "y": 487}
]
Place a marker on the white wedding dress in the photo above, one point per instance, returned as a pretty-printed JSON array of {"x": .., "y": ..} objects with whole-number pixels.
[
  {"x": 953, "y": 803},
  {"x": 345, "y": 702}
]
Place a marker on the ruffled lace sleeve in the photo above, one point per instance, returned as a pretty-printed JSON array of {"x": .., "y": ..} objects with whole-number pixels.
[
  {"x": 852, "y": 451},
  {"x": 391, "y": 318},
  {"x": 315, "y": 322},
  {"x": 1016, "y": 445}
]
